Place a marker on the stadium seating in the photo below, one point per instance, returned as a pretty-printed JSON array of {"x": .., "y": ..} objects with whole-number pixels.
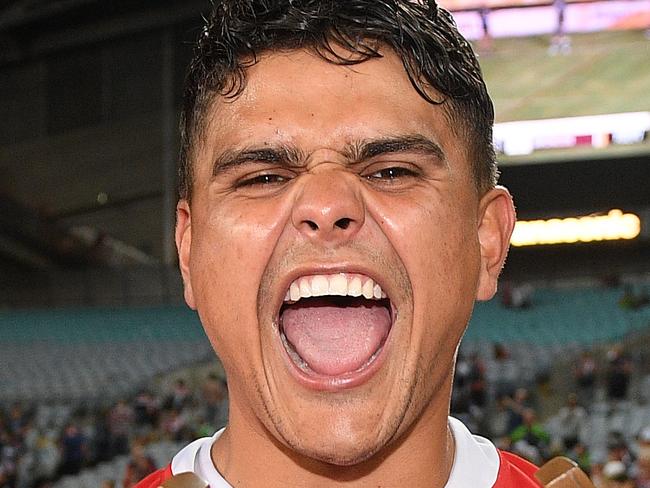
[
  {"x": 87, "y": 354},
  {"x": 580, "y": 316},
  {"x": 93, "y": 355}
]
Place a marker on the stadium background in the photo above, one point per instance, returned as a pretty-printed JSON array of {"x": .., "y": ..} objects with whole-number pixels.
[{"x": 102, "y": 367}]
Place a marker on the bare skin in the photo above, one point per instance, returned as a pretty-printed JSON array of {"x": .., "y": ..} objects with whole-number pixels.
[{"x": 362, "y": 175}]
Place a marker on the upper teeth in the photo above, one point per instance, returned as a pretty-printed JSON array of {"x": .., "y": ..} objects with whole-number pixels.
[{"x": 342, "y": 284}]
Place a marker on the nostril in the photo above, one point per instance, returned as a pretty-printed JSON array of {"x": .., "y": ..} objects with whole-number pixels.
[
  {"x": 343, "y": 223},
  {"x": 312, "y": 225}
]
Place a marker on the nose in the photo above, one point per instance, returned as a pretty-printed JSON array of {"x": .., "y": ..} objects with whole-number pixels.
[{"x": 329, "y": 207}]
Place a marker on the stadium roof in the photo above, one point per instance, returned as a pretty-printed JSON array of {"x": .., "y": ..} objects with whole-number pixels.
[{"x": 53, "y": 183}]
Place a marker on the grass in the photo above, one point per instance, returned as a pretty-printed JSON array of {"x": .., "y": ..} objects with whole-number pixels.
[{"x": 606, "y": 72}]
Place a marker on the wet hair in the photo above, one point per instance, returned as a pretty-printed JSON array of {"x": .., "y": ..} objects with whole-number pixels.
[{"x": 439, "y": 62}]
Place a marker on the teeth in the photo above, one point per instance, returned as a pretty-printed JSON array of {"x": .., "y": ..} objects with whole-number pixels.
[
  {"x": 294, "y": 291},
  {"x": 338, "y": 285},
  {"x": 367, "y": 290},
  {"x": 376, "y": 291},
  {"x": 354, "y": 287},
  {"x": 320, "y": 286},
  {"x": 342, "y": 284},
  {"x": 305, "y": 289}
]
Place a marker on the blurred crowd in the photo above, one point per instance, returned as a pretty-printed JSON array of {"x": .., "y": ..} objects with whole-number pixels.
[
  {"x": 35, "y": 454},
  {"x": 506, "y": 409},
  {"x": 491, "y": 397}
]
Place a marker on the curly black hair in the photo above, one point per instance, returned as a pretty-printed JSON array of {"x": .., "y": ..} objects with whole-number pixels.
[{"x": 440, "y": 63}]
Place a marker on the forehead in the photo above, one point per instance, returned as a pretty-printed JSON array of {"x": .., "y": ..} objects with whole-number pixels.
[{"x": 297, "y": 97}]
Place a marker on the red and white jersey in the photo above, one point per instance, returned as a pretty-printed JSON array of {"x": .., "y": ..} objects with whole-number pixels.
[{"x": 477, "y": 464}]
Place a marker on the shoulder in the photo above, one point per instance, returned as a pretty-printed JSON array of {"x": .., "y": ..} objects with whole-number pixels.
[
  {"x": 154, "y": 480},
  {"x": 515, "y": 472}
]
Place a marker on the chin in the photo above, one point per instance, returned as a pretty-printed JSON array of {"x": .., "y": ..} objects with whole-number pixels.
[
  {"x": 343, "y": 439},
  {"x": 344, "y": 453}
]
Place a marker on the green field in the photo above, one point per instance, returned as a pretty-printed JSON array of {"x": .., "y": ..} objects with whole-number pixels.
[{"x": 606, "y": 72}]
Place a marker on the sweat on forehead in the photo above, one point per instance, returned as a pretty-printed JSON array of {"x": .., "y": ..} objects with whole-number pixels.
[{"x": 439, "y": 62}]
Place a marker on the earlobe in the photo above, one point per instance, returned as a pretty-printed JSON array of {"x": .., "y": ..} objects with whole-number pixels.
[
  {"x": 496, "y": 223},
  {"x": 183, "y": 237}
]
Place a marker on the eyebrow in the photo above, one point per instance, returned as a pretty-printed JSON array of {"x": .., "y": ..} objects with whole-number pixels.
[
  {"x": 282, "y": 155},
  {"x": 356, "y": 152},
  {"x": 412, "y": 143}
]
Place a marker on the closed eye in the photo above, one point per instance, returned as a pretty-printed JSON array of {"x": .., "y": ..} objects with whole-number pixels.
[
  {"x": 391, "y": 173},
  {"x": 267, "y": 179}
]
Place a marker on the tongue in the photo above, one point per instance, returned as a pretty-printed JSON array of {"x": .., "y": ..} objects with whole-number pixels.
[{"x": 334, "y": 340}]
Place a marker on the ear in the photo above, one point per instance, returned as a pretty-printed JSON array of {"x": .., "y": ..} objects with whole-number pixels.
[
  {"x": 183, "y": 237},
  {"x": 497, "y": 221}
]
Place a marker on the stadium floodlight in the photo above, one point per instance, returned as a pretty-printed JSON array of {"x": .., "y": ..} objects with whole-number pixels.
[{"x": 614, "y": 225}]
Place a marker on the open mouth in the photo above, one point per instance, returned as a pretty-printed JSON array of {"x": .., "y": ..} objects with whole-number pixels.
[{"x": 334, "y": 325}]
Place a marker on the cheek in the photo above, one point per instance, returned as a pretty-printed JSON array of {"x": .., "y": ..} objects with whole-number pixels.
[
  {"x": 238, "y": 240},
  {"x": 437, "y": 242},
  {"x": 231, "y": 246},
  {"x": 445, "y": 276}
]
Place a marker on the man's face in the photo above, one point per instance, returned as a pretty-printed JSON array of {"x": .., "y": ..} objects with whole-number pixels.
[{"x": 316, "y": 180}]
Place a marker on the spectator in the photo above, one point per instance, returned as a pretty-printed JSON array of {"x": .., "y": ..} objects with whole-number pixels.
[
  {"x": 17, "y": 418},
  {"x": 485, "y": 43},
  {"x": 102, "y": 440},
  {"x": 140, "y": 465},
  {"x": 571, "y": 419},
  {"x": 180, "y": 396},
  {"x": 215, "y": 399},
  {"x": 120, "y": 425},
  {"x": 560, "y": 42},
  {"x": 619, "y": 370},
  {"x": 505, "y": 372},
  {"x": 585, "y": 376},
  {"x": 530, "y": 438},
  {"x": 477, "y": 382},
  {"x": 48, "y": 457},
  {"x": 516, "y": 407},
  {"x": 499, "y": 420},
  {"x": 174, "y": 424},
  {"x": 73, "y": 450},
  {"x": 145, "y": 410},
  {"x": 8, "y": 458}
]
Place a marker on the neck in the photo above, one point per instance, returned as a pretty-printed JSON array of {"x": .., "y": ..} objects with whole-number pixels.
[{"x": 247, "y": 455}]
